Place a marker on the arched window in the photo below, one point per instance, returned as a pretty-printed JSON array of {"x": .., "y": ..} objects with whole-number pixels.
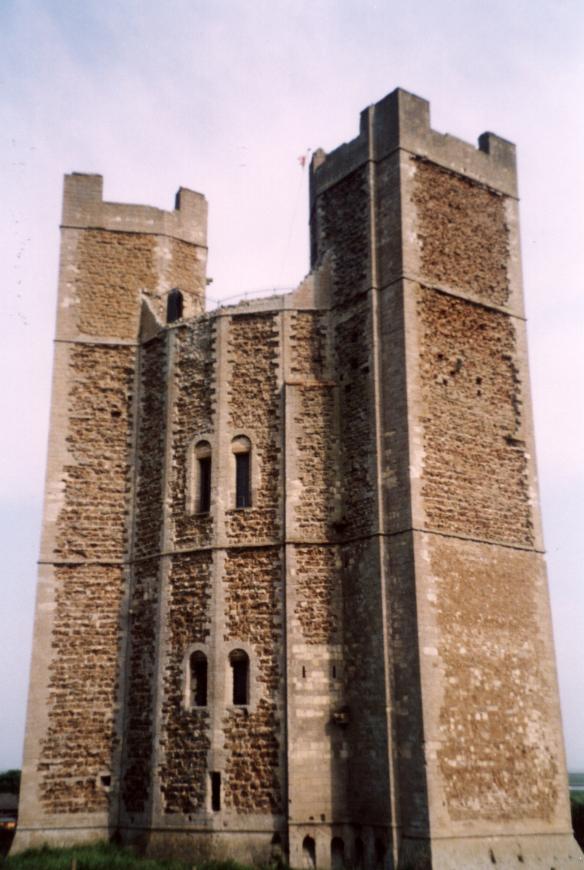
[
  {"x": 174, "y": 306},
  {"x": 198, "y": 679},
  {"x": 337, "y": 854},
  {"x": 241, "y": 447},
  {"x": 203, "y": 477},
  {"x": 309, "y": 853},
  {"x": 239, "y": 661}
]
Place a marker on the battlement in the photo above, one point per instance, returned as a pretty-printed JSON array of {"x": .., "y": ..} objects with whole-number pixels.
[
  {"x": 84, "y": 207},
  {"x": 402, "y": 121}
]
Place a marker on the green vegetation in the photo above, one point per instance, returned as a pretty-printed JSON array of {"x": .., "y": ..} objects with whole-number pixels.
[
  {"x": 103, "y": 856},
  {"x": 10, "y": 781}
]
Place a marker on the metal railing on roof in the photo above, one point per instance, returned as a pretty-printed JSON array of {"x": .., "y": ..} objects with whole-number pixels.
[{"x": 266, "y": 293}]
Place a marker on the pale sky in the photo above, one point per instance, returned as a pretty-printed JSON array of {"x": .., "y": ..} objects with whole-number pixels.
[{"x": 223, "y": 96}]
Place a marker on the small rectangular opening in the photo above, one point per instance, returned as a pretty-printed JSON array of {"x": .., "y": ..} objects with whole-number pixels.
[{"x": 215, "y": 792}]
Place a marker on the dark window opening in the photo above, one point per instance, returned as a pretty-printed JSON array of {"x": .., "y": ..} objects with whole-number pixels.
[
  {"x": 337, "y": 854},
  {"x": 204, "y": 484},
  {"x": 303, "y": 672},
  {"x": 242, "y": 488},
  {"x": 105, "y": 780},
  {"x": 215, "y": 792},
  {"x": 198, "y": 680},
  {"x": 239, "y": 662},
  {"x": 379, "y": 854},
  {"x": 309, "y": 852},
  {"x": 334, "y": 672},
  {"x": 359, "y": 854},
  {"x": 174, "y": 306},
  {"x": 201, "y": 499}
]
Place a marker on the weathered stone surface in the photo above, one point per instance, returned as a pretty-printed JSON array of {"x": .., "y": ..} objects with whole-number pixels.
[
  {"x": 475, "y": 475},
  {"x": 253, "y": 592},
  {"x": 462, "y": 233},
  {"x": 497, "y": 753},
  {"x": 139, "y": 731},
  {"x": 254, "y": 411},
  {"x": 151, "y": 441},
  {"x": 82, "y": 690},
  {"x": 319, "y": 579},
  {"x": 185, "y": 737},
  {"x": 92, "y": 521},
  {"x": 113, "y": 268}
]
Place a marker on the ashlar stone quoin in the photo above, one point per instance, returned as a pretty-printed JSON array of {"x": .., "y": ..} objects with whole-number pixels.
[{"x": 292, "y": 595}]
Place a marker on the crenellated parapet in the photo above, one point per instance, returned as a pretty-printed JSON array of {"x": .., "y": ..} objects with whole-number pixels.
[{"x": 114, "y": 255}]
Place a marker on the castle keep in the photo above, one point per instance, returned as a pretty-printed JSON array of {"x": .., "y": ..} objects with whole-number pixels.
[{"x": 292, "y": 594}]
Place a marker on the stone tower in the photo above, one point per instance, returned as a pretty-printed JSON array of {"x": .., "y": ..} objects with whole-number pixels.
[{"x": 292, "y": 594}]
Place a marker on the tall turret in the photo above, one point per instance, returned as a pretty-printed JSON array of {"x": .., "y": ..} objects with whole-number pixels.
[
  {"x": 458, "y": 735},
  {"x": 118, "y": 265}
]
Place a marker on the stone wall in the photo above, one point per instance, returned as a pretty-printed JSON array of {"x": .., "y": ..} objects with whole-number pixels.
[
  {"x": 253, "y": 738},
  {"x": 316, "y": 514},
  {"x": 344, "y": 231},
  {"x": 308, "y": 344},
  {"x": 91, "y": 534},
  {"x": 475, "y": 474},
  {"x": 112, "y": 269},
  {"x": 363, "y": 671},
  {"x": 462, "y": 233},
  {"x": 254, "y": 403},
  {"x": 357, "y": 458},
  {"x": 497, "y": 753},
  {"x": 148, "y": 509},
  {"x": 194, "y": 367},
  {"x": 140, "y": 698},
  {"x": 184, "y": 732},
  {"x": 80, "y": 741},
  {"x": 318, "y": 585},
  {"x": 92, "y": 521}
]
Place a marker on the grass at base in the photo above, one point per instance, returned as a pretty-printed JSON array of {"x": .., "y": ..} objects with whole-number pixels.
[{"x": 102, "y": 856}]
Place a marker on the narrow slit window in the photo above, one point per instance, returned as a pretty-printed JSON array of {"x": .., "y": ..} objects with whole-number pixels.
[
  {"x": 203, "y": 474},
  {"x": 215, "y": 791},
  {"x": 174, "y": 306},
  {"x": 239, "y": 662},
  {"x": 241, "y": 447},
  {"x": 242, "y": 498},
  {"x": 198, "y": 677},
  {"x": 204, "y": 484}
]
